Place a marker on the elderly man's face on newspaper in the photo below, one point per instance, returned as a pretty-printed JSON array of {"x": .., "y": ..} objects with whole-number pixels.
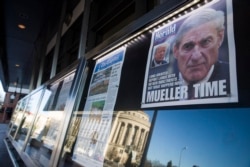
[
  {"x": 198, "y": 51},
  {"x": 160, "y": 53}
]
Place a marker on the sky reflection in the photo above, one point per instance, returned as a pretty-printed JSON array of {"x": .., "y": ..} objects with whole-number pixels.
[{"x": 214, "y": 137}]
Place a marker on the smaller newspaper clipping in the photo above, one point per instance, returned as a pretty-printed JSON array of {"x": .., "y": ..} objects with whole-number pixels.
[
  {"x": 98, "y": 111},
  {"x": 191, "y": 60}
]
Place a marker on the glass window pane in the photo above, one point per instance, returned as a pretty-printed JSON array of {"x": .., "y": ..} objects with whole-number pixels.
[
  {"x": 17, "y": 116},
  {"x": 43, "y": 138},
  {"x": 14, "y": 114},
  {"x": 205, "y": 137},
  {"x": 118, "y": 141},
  {"x": 28, "y": 117}
]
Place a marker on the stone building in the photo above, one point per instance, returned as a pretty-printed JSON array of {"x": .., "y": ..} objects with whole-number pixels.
[{"x": 129, "y": 133}]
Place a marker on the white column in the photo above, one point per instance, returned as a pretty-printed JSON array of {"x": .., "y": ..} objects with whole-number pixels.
[
  {"x": 117, "y": 128},
  {"x": 135, "y": 135},
  {"x": 138, "y": 137},
  {"x": 120, "y": 131},
  {"x": 129, "y": 136},
  {"x": 123, "y": 134}
]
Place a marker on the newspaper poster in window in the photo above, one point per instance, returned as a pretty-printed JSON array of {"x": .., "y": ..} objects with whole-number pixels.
[
  {"x": 98, "y": 111},
  {"x": 191, "y": 59}
]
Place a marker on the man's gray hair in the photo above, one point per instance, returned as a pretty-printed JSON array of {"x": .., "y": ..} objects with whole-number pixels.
[{"x": 199, "y": 18}]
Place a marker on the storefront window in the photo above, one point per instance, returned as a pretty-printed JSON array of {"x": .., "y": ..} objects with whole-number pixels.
[
  {"x": 42, "y": 141},
  {"x": 17, "y": 116},
  {"x": 28, "y": 117},
  {"x": 94, "y": 139},
  {"x": 14, "y": 115},
  {"x": 112, "y": 129}
]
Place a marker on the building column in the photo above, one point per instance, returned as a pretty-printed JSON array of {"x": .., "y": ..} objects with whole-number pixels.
[
  {"x": 129, "y": 135},
  {"x": 121, "y": 136},
  {"x": 115, "y": 135},
  {"x": 135, "y": 136},
  {"x": 137, "y": 139},
  {"x": 141, "y": 139},
  {"x": 144, "y": 141}
]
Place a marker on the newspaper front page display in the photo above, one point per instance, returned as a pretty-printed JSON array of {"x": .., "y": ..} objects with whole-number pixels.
[
  {"x": 98, "y": 111},
  {"x": 191, "y": 60}
]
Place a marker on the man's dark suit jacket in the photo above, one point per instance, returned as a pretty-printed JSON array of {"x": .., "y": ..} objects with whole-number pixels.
[
  {"x": 221, "y": 72},
  {"x": 153, "y": 63}
]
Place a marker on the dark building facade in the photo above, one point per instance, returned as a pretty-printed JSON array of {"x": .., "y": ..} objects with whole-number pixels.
[{"x": 99, "y": 102}]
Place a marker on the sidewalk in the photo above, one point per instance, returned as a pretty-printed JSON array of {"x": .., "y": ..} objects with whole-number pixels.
[{"x": 5, "y": 160}]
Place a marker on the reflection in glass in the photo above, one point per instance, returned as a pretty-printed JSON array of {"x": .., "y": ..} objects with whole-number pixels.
[
  {"x": 46, "y": 129},
  {"x": 28, "y": 117},
  {"x": 128, "y": 137},
  {"x": 14, "y": 115},
  {"x": 17, "y": 116},
  {"x": 205, "y": 138},
  {"x": 118, "y": 141}
]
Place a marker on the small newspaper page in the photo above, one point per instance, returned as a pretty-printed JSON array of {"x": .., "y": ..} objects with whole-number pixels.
[
  {"x": 97, "y": 116},
  {"x": 64, "y": 92}
]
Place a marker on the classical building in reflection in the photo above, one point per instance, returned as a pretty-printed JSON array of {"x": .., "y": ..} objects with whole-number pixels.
[{"x": 128, "y": 135}]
